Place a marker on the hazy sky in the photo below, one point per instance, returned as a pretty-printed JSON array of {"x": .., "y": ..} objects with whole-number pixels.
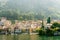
[
  {"x": 51, "y": 4},
  {"x": 35, "y": 1}
]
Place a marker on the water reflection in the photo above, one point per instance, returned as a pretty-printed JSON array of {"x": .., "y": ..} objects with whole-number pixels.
[
  {"x": 28, "y": 37},
  {"x": 15, "y": 37}
]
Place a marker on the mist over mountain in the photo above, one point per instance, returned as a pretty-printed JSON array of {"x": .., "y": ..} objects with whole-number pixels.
[{"x": 36, "y": 7}]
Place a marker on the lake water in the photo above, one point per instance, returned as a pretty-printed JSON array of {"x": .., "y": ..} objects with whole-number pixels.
[{"x": 28, "y": 37}]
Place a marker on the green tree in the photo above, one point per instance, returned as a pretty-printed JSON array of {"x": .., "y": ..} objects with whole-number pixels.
[
  {"x": 54, "y": 25},
  {"x": 42, "y": 24},
  {"x": 49, "y": 20}
]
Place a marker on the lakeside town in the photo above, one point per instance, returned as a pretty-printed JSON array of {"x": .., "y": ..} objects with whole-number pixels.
[
  {"x": 29, "y": 19},
  {"x": 6, "y": 26},
  {"x": 20, "y": 26}
]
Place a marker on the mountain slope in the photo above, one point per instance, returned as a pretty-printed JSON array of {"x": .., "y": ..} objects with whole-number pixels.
[{"x": 44, "y": 7}]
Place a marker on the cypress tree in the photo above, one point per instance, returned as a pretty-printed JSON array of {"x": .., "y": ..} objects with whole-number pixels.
[{"x": 49, "y": 20}]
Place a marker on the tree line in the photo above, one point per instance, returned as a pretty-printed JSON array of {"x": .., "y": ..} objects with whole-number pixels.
[{"x": 19, "y": 16}]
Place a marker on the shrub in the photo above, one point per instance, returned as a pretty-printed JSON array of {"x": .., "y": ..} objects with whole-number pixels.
[
  {"x": 49, "y": 32},
  {"x": 42, "y": 32}
]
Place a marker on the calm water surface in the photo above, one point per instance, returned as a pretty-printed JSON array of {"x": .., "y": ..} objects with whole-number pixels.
[{"x": 28, "y": 37}]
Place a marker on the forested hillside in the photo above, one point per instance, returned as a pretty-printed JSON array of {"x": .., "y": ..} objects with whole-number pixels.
[{"x": 29, "y": 9}]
